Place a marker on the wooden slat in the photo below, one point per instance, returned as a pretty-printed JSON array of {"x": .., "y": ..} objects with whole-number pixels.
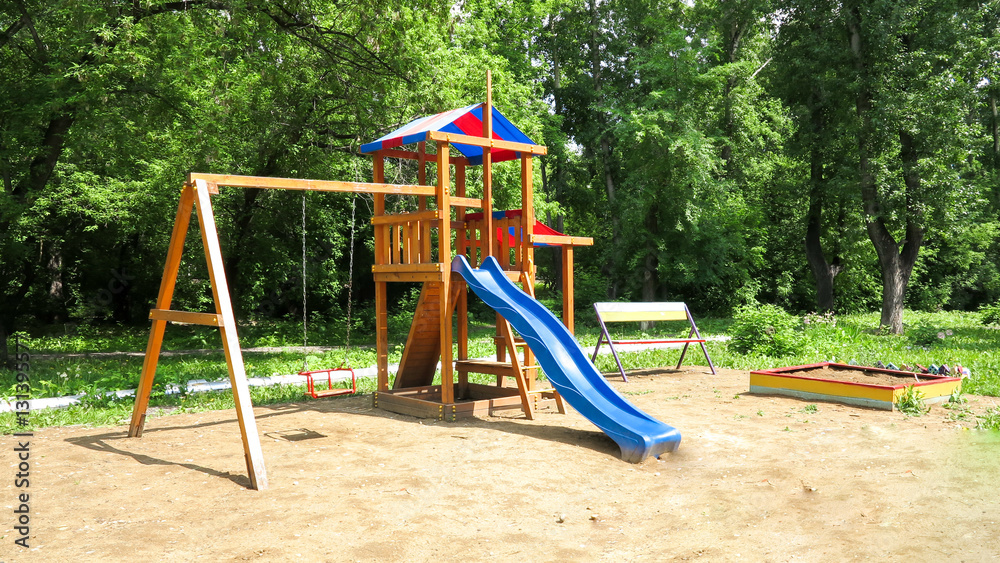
[
  {"x": 413, "y": 155},
  {"x": 410, "y": 276},
  {"x": 394, "y": 244},
  {"x": 605, "y": 306},
  {"x": 503, "y": 255},
  {"x": 414, "y": 268},
  {"x": 497, "y": 144},
  {"x": 207, "y": 319},
  {"x": 466, "y": 202},
  {"x": 406, "y": 217},
  {"x": 308, "y": 185},
  {"x": 636, "y": 316},
  {"x": 562, "y": 240}
]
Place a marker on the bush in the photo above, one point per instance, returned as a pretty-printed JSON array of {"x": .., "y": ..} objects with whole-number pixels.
[
  {"x": 766, "y": 330},
  {"x": 991, "y": 314},
  {"x": 926, "y": 336}
]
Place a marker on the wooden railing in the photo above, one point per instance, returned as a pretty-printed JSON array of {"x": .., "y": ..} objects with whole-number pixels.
[
  {"x": 408, "y": 237},
  {"x": 508, "y": 249}
]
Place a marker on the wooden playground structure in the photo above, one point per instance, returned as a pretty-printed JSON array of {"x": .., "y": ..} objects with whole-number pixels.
[{"x": 416, "y": 246}]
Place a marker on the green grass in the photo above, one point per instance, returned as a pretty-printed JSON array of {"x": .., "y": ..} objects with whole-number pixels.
[{"x": 53, "y": 373}]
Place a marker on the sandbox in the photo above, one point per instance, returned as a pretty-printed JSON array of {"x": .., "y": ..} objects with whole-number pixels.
[{"x": 854, "y": 385}]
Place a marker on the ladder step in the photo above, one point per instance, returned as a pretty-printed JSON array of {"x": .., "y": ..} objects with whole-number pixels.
[
  {"x": 489, "y": 367},
  {"x": 517, "y": 341}
]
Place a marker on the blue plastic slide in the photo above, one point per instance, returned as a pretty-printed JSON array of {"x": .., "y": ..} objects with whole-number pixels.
[{"x": 567, "y": 366}]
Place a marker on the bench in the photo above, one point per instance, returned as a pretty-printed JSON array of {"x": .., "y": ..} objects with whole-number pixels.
[{"x": 638, "y": 312}]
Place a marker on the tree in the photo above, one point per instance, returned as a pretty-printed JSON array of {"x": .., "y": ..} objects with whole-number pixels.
[
  {"x": 900, "y": 62},
  {"x": 110, "y": 100}
]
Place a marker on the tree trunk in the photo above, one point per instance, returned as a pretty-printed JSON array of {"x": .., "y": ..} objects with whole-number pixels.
[
  {"x": 55, "y": 274},
  {"x": 823, "y": 271},
  {"x": 651, "y": 263},
  {"x": 609, "y": 182},
  {"x": 896, "y": 265},
  {"x": 733, "y": 32}
]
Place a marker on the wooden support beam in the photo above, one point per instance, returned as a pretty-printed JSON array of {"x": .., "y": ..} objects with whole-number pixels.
[
  {"x": 382, "y": 335},
  {"x": 424, "y": 248},
  {"x": 186, "y": 317},
  {"x": 381, "y": 300},
  {"x": 413, "y": 155},
  {"x": 230, "y": 342},
  {"x": 527, "y": 222},
  {"x": 431, "y": 215},
  {"x": 167, "y": 283},
  {"x": 488, "y": 236},
  {"x": 562, "y": 240},
  {"x": 569, "y": 302},
  {"x": 466, "y": 202},
  {"x": 444, "y": 259},
  {"x": 522, "y": 383},
  {"x": 498, "y": 144},
  {"x": 308, "y": 185}
]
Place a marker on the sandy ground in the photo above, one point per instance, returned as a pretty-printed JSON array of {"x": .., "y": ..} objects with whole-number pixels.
[{"x": 755, "y": 479}]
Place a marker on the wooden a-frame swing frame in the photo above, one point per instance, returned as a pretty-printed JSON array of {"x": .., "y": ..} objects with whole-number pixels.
[{"x": 195, "y": 196}]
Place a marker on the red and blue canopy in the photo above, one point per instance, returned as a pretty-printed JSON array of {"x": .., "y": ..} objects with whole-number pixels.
[{"x": 463, "y": 121}]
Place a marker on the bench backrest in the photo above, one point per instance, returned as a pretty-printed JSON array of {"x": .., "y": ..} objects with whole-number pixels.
[{"x": 612, "y": 312}]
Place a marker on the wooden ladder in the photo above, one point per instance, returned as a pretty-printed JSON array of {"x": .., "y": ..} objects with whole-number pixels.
[
  {"x": 423, "y": 345},
  {"x": 521, "y": 367}
]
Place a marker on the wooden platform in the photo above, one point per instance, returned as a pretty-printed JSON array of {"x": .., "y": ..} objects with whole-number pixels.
[{"x": 481, "y": 400}]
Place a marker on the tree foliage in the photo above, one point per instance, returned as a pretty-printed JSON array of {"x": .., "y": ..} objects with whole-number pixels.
[{"x": 806, "y": 153}]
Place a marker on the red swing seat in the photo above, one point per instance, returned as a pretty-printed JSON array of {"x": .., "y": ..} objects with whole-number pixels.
[{"x": 329, "y": 391}]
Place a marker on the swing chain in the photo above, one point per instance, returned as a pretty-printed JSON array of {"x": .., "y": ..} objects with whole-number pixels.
[
  {"x": 350, "y": 286},
  {"x": 305, "y": 334}
]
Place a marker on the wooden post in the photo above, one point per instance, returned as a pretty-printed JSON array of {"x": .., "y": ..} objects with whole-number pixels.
[
  {"x": 489, "y": 233},
  {"x": 444, "y": 256},
  {"x": 163, "y": 300},
  {"x": 230, "y": 342},
  {"x": 463, "y": 236},
  {"x": 567, "y": 276},
  {"x": 381, "y": 300},
  {"x": 425, "y": 233},
  {"x": 528, "y": 220}
]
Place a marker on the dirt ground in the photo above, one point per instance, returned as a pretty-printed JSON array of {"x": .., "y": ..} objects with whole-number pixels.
[{"x": 756, "y": 478}]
